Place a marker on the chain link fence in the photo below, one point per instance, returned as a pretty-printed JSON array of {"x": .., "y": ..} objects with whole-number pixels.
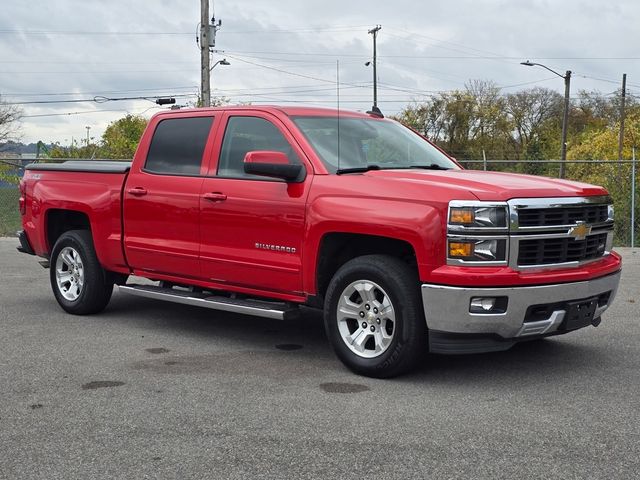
[
  {"x": 616, "y": 177},
  {"x": 620, "y": 178},
  {"x": 10, "y": 173}
]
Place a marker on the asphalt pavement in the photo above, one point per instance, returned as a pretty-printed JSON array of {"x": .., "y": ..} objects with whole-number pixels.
[{"x": 149, "y": 389}]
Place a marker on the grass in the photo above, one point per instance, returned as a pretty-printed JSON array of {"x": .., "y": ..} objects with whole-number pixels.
[{"x": 9, "y": 215}]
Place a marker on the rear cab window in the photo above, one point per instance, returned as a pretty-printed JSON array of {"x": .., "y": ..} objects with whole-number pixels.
[{"x": 177, "y": 146}]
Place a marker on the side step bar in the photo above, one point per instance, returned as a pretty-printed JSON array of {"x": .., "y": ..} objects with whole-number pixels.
[{"x": 257, "y": 308}]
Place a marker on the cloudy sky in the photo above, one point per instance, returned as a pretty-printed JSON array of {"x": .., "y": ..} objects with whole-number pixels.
[{"x": 285, "y": 52}]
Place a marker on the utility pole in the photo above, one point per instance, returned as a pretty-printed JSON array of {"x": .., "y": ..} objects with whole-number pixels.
[
  {"x": 374, "y": 32},
  {"x": 622, "y": 113},
  {"x": 565, "y": 122},
  {"x": 205, "y": 82},
  {"x": 207, "y": 42},
  {"x": 88, "y": 128}
]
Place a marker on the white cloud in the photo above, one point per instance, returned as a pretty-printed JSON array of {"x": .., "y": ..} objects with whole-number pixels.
[{"x": 420, "y": 47}]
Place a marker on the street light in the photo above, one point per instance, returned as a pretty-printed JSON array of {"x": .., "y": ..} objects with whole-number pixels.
[
  {"x": 565, "y": 117},
  {"x": 220, "y": 62}
]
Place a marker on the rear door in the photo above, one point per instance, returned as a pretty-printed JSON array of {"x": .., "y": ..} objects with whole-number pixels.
[
  {"x": 252, "y": 227},
  {"x": 162, "y": 197}
]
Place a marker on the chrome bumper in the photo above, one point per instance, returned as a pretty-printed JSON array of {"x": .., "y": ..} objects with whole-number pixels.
[{"x": 446, "y": 308}]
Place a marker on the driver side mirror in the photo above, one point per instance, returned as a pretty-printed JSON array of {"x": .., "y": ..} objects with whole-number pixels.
[{"x": 273, "y": 164}]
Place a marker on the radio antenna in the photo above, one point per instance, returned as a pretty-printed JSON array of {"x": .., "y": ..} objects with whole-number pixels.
[{"x": 338, "y": 102}]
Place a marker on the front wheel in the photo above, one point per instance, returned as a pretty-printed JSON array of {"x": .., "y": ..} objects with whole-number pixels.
[
  {"x": 80, "y": 284},
  {"x": 374, "y": 317}
]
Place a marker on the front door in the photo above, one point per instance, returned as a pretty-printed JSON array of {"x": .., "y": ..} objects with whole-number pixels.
[{"x": 252, "y": 227}]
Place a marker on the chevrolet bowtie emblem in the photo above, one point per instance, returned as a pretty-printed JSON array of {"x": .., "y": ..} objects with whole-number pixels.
[{"x": 580, "y": 231}]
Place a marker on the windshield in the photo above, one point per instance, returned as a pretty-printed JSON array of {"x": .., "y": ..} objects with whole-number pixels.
[{"x": 369, "y": 142}]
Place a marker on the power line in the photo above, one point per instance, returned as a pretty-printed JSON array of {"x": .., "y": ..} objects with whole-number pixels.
[
  {"x": 190, "y": 87},
  {"x": 429, "y": 57},
  {"x": 607, "y": 80},
  {"x": 87, "y": 112},
  {"x": 231, "y": 32},
  {"x": 94, "y": 62},
  {"x": 92, "y": 72},
  {"x": 69, "y": 113},
  {"x": 414, "y": 34},
  {"x": 268, "y": 67},
  {"x": 98, "y": 99}
]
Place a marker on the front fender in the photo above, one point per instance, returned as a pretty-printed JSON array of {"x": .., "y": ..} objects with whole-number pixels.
[{"x": 416, "y": 223}]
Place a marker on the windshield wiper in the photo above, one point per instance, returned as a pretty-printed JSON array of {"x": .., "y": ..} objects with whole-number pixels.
[
  {"x": 431, "y": 166},
  {"x": 340, "y": 171}
]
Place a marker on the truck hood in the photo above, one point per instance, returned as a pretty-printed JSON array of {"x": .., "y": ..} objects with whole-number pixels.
[{"x": 496, "y": 186}]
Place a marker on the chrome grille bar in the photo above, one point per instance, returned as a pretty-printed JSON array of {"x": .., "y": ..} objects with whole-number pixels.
[{"x": 549, "y": 236}]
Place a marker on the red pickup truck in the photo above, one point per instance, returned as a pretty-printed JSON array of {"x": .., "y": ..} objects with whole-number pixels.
[{"x": 260, "y": 210}]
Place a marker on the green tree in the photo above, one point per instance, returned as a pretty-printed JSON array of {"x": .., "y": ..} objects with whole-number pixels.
[
  {"x": 75, "y": 150},
  {"x": 122, "y": 136},
  {"x": 602, "y": 144}
]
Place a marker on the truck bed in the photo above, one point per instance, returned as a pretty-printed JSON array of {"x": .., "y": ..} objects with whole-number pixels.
[{"x": 89, "y": 191}]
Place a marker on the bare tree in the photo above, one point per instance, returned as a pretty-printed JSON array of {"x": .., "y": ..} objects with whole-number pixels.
[
  {"x": 9, "y": 125},
  {"x": 529, "y": 110}
]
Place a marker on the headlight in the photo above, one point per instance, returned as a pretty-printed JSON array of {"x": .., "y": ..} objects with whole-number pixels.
[
  {"x": 478, "y": 250},
  {"x": 480, "y": 217},
  {"x": 477, "y": 233}
]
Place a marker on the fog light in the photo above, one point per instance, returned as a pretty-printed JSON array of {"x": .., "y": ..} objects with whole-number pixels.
[
  {"x": 482, "y": 304},
  {"x": 488, "y": 305}
]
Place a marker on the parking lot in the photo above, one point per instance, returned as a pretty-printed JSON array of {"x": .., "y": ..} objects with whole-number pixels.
[{"x": 155, "y": 390}]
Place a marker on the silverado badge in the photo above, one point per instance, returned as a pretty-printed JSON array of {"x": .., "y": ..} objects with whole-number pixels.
[{"x": 275, "y": 248}]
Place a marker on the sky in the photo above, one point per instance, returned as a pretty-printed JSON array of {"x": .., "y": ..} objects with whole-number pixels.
[{"x": 292, "y": 52}]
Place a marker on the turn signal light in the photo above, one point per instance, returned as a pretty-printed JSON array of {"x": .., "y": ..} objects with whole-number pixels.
[
  {"x": 462, "y": 216},
  {"x": 461, "y": 249}
]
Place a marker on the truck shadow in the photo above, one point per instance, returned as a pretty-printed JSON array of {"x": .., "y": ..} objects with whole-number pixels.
[
  {"x": 537, "y": 361},
  {"x": 241, "y": 330},
  {"x": 551, "y": 357}
]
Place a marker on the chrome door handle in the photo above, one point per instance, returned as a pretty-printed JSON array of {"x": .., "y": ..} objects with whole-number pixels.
[
  {"x": 215, "y": 197},
  {"x": 137, "y": 191}
]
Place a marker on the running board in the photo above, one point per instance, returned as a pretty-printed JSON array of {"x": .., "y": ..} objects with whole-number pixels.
[{"x": 257, "y": 308}]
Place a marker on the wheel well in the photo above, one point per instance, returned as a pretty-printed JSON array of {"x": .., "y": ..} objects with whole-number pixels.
[
  {"x": 338, "y": 248},
  {"x": 60, "y": 221}
]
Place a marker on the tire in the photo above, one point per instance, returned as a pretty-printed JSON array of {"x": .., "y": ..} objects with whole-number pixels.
[
  {"x": 376, "y": 341},
  {"x": 80, "y": 284}
]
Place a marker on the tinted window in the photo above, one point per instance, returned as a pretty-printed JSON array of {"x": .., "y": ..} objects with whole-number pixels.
[
  {"x": 177, "y": 146},
  {"x": 246, "y": 134}
]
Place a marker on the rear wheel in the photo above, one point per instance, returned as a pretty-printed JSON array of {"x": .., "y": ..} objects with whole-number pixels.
[
  {"x": 374, "y": 318},
  {"x": 80, "y": 284}
]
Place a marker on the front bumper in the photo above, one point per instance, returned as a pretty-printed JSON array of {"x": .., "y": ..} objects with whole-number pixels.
[{"x": 453, "y": 329}]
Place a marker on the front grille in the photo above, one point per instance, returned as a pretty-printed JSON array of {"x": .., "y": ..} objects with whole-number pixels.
[
  {"x": 567, "y": 215},
  {"x": 545, "y": 251}
]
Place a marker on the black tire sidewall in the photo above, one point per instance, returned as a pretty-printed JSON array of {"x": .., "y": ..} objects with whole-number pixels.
[
  {"x": 95, "y": 292},
  {"x": 402, "y": 351}
]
